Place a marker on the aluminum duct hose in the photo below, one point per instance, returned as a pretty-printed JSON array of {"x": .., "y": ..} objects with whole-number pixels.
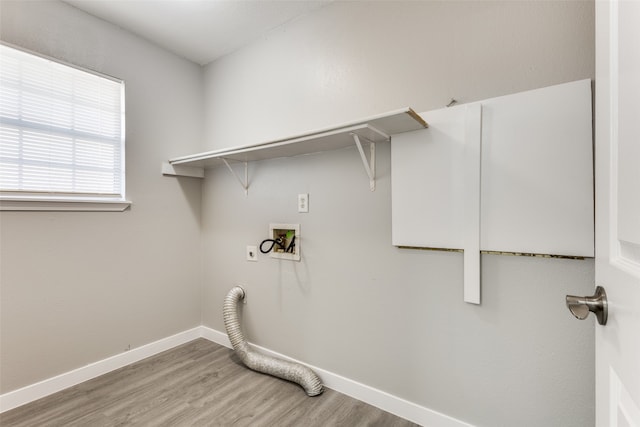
[{"x": 284, "y": 369}]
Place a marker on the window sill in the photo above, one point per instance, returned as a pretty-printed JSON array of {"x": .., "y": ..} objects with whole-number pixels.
[{"x": 62, "y": 205}]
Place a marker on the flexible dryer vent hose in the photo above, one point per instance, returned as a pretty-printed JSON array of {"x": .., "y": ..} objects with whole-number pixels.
[{"x": 284, "y": 369}]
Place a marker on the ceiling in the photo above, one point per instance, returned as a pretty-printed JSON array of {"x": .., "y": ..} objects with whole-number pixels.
[{"x": 199, "y": 30}]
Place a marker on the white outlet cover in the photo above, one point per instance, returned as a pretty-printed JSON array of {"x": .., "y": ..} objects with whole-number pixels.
[
  {"x": 252, "y": 253},
  {"x": 303, "y": 202}
]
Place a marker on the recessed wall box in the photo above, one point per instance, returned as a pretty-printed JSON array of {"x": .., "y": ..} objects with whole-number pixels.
[{"x": 288, "y": 235}]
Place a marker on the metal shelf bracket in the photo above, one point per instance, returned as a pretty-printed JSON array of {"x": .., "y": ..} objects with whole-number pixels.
[
  {"x": 370, "y": 163},
  {"x": 245, "y": 183}
]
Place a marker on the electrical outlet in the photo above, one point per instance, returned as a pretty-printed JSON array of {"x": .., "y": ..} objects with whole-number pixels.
[
  {"x": 303, "y": 202},
  {"x": 252, "y": 253}
]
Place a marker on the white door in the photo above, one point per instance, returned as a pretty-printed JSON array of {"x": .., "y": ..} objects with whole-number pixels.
[{"x": 617, "y": 125}]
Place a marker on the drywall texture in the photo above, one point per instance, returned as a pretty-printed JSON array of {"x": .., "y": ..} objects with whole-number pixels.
[
  {"x": 351, "y": 60},
  {"x": 390, "y": 318},
  {"x": 79, "y": 287}
]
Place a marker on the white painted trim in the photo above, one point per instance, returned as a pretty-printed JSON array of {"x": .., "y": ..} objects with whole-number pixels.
[
  {"x": 378, "y": 398},
  {"x": 181, "y": 170},
  {"x": 215, "y": 336},
  {"x": 472, "y": 180},
  {"x": 62, "y": 204},
  {"x": 32, "y": 392}
]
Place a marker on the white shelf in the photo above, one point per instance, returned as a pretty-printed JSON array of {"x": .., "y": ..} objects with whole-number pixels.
[{"x": 373, "y": 129}]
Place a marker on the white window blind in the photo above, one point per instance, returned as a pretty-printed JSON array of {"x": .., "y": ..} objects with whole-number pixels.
[{"x": 61, "y": 130}]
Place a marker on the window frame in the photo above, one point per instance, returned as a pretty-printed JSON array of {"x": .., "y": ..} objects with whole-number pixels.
[{"x": 20, "y": 200}]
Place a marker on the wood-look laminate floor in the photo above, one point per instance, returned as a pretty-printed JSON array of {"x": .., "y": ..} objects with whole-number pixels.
[{"x": 196, "y": 384}]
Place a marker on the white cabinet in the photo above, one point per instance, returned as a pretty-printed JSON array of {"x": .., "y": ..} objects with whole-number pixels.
[{"x": 508, "y": 174}]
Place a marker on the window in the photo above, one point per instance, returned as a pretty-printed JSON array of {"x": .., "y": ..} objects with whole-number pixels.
[{"x": 61, "y": 136}]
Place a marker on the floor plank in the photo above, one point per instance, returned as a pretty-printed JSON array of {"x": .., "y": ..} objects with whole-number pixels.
[{"x": 196, "y": 384}]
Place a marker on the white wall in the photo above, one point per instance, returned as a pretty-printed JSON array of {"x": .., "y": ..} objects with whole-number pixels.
[
  {"x": 79, "y": 287},
  {"x": 390, "y": 318},
  {"x": 356, "y": 59}
]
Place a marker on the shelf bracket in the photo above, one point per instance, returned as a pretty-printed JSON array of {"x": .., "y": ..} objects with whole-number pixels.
[
  {"x": 369, "y": 164},
  {"x": 245, "y": 183}
]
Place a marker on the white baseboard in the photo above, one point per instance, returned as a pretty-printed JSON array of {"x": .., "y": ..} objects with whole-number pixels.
[
  {"x": 215, "y": 336},
  {"x": 380, "y": 399},
  {"x": 36, "y": 391}
]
